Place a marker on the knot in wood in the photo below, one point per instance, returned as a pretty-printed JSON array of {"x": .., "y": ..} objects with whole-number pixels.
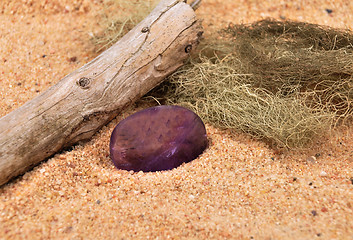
[
  {"x": 188, "y": 48},
  {"x": 145, "y": 29},
  {"x": 84, "y": 82}
]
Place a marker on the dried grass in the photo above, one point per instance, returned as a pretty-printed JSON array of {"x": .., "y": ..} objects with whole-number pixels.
[
  {"x": 118, "y": 18},
  {"x": 284, "y": 82}
]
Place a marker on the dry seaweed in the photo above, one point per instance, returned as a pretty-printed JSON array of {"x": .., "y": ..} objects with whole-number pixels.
[
  {"x": 226, "y": 98},
  {"x": 291, "y": 57},
  {"x": 286, "y": 82}
]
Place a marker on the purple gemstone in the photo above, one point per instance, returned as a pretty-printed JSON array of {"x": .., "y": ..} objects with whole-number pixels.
[{"x": 157, "y": 138}]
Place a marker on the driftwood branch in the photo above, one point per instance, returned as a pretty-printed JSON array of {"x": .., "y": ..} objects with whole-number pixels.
[
  {"x": 85, "y": 100},
  {"x": 195, "y": 4}
]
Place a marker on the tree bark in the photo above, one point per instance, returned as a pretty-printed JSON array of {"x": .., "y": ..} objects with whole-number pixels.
[{"x": 85, "y": 100}]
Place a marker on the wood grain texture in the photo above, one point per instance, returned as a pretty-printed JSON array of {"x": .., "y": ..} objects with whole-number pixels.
[{"x": 85, "y": 100}]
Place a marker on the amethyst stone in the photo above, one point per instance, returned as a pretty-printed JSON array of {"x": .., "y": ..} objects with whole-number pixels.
[{"x": 157, "y": 138}]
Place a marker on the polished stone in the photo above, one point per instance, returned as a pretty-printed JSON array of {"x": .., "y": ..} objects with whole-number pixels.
[{"x": 157, "y": 138}]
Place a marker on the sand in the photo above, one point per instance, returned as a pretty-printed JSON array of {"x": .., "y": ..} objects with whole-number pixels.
[{"x": 239, "y": 188}]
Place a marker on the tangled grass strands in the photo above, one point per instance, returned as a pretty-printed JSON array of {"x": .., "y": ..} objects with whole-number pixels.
[
  {"x": 232, "y": 102},
  {"x": 286, "y": 82},
  {"x": 117, "y": 23}
]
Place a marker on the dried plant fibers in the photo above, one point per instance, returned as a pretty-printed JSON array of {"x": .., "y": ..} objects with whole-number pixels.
[
  {"x": 281, "y": 81},
  {"x": 284, "y": 82},
  {"x": 116, "y": 24}
]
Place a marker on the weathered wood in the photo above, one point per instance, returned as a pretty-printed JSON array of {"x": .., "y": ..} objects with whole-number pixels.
[{"x": 85, "y": 100}]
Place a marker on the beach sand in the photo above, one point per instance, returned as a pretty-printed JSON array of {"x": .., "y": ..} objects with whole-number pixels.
[{"x": 239, "y": 188}]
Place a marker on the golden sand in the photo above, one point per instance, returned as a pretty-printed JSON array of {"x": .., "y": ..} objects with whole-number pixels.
[{"x": 238, "y": 189}]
